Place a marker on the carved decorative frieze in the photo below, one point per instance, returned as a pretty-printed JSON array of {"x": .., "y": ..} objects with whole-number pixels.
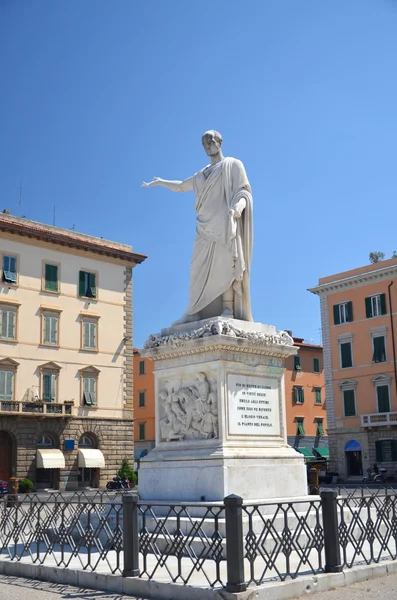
[
  {"x": 219, "y": 328},
  {"x": 190, "y": 410}
]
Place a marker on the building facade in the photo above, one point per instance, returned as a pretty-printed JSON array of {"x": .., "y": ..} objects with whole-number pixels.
[
  {"x": 358, "y": 322},
  {"x": 144, "y": 406},
  {"x": 66, "y": 376},
  {"x": 305, "y": 401}
]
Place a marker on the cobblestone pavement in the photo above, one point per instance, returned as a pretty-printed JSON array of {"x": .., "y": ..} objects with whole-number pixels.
[
  {"x": 18, "y": 588},
  {"x": 384, "y": 588}
]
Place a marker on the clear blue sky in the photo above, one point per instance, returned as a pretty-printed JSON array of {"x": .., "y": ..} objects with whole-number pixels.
[{"x": 97, "y": 96}]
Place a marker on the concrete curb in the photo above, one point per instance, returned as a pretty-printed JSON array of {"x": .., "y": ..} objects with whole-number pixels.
[{"x": 151, "y": 590}]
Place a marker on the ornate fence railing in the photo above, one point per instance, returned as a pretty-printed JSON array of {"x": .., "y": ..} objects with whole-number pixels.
[
  {"x": 283, "y": 540},
  {"x": 229, "y": 544}
]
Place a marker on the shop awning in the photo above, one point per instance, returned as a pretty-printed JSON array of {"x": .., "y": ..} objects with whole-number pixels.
[
  {"x": 322, "y": 452},
  {"x": 307, "y": 453},
  {"x": 50, "y": 459},
  {"x": 91, "y": 458}
]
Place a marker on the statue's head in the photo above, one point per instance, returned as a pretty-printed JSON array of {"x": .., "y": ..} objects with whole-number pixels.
[{"x": 212, "y": 142}]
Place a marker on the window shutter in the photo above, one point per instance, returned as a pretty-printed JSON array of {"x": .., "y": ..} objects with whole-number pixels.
[
  {"x": 53, "y": 387},
  {"x": 368, "y": 308},
  {"x": 297, "y": 363},
  {"x": 47, "y": 387},
  {"x": 47, "y": 330},
  {"x": 336, "y": 314},
  {"x": 2, "y": 385},
  {"x": 346, "y": 354},
  {"x": 3, "y": 323},
  {"x": 91, "y": 284},
  {"x": 82, "y": 287},
  {"x": 349, "y": 310},
  {"x": 9, "y": 384},
  {"x": 383, "y": 310},
  {"x": 349, "y": 404},
  {"x": 379, "y": 451},
  {"x": 53, "y": 329},
  {"x": 394, "y": 450},
  {"x": 316, "y": 365},
  {"x": 10, "y": 324},
  {"x": 379, "y": 354},
  {"x": 51, "y": 278},
  {"x": 383, "y": 398},
  {"x": 92, "y": 330}
]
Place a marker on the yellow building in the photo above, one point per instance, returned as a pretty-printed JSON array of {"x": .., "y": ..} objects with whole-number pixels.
[
  {"x": 66, "y": 378},
  {"x": 358, "y": 310}
]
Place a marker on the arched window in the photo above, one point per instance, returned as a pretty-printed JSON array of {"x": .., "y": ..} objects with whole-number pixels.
[
  {"x": 86, "y": 441},
  {"x": 45, "y": 441}
]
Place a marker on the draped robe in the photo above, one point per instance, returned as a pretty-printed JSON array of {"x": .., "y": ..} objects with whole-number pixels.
[{"x": 223, "y": 246}]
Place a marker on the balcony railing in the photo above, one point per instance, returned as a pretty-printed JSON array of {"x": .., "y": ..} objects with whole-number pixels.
[
  {"x": 34, "y": 408},
  {"x": 379, "y": 419}
]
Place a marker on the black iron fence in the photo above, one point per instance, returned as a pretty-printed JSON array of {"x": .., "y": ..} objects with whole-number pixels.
[{"x": 228, "y": 544}]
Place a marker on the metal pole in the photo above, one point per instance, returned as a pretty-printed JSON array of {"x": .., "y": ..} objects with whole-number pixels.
[
  {"x": 331, "y": 536},
  {"x": 234, "y": 544},
  {"x": 130, "y": 535}
]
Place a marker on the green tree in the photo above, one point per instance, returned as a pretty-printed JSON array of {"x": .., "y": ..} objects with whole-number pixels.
[
  {"x": 127, "y": 472},
  {"x": 376, "y": 257},
  {"x": 394, "y": 255}
]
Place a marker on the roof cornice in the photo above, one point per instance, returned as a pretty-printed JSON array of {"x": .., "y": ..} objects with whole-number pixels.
[
  {"x": 338, "y": 285},
  {"x": 64, "y": 237}
]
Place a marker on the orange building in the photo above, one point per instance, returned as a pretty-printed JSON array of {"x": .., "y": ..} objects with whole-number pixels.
[
  {"x": 305, "y": 401},
  {"x": 360, "y": 366},
  {"x": 144, "y": 416}
]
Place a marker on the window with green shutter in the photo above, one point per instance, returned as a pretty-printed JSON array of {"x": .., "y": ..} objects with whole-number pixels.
[
  {"x": 375, "y": 305},
  {"x": 87, "y": 284},
  {"x": 6, "y": 385},
  {"x": 297, "y": 363},
  {"x": 343, "y": 313},
  {"x": 89, "y": 335},
  {"x": 142, "y": 432},
  {"x": 320, "y": 426},
  {"x": 89, "y": 391},
  {"x": 379, "y": 345},
  {"x": 298, "y": 394},
  {"x": 346, "y": 355},
  {"x": 300, "y": 428},
  {"x": 142, "y": 398},
  {"x": 316, "y": 365},
  {"x": 9, "y": 269},
  {"x": 50, "y": 336},
  {"x": 51, "y": 278},
  {"x": 386, "y": 450},
  {"x": 7, "y": 324},
  {"x": 317, "y": 395},
  {"x": 349, "y": 403},
  {"x": 49, "y": 387},
  {"x": 382, "y": 393},
  {"x": 141, "y": 367}
]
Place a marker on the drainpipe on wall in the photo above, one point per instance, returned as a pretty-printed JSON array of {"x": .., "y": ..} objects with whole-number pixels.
[{"x": 392, "y": 336}]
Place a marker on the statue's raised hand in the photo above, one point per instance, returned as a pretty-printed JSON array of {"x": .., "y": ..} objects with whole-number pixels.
[{"x": 156, "y": 181}]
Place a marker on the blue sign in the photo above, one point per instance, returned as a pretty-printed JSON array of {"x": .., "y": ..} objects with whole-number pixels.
[{"x": 69, "y": 445}]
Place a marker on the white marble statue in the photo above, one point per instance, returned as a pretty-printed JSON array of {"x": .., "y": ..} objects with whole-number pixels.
[{"x": 220, "y": 267}]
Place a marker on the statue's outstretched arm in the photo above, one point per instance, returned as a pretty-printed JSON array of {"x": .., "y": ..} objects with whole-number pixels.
[{"x": 174, "y": 186}]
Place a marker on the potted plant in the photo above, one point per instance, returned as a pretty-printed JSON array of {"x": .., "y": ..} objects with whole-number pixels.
[{"x": 26, "y": 485}]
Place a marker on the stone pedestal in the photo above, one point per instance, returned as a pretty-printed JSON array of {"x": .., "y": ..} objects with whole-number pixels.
[{"x": 220, "y": 415}]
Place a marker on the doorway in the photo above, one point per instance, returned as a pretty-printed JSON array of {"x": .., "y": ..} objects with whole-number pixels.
[
  {"x": 354, "y": 465},
  {"x": 5, "y": 456}
]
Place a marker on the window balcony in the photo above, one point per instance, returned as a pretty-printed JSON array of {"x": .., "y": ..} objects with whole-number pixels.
[
  {"x": 379, "y": 419},
  {"x": 36, "y": 407}
]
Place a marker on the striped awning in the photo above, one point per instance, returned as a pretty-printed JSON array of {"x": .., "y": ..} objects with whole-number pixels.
[{"x": 91, "y": 458}]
